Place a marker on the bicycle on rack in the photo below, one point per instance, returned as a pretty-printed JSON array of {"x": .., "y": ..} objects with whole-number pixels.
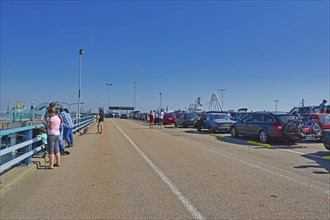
[
  {"x": 292, "y": 126},
  {"x": 306, "y": 127}
]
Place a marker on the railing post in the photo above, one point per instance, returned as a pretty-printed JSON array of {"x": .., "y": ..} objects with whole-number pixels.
[
  {"x": 0, "y": 149},
  {"x": 28, "y": 148}
]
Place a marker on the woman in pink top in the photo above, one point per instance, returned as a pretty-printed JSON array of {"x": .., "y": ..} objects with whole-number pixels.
[{"x": 53, "y": 138}]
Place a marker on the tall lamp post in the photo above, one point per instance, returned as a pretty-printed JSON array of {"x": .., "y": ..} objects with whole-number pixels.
[
  {"x": 109, "y": 84},
  {"x": 81, "y": 52},
  {"x": 222, "y": 90},
  {"x": 160, "y": 101},
  {"x": 49, "y": 98},
  {"x": 276, "y": 101}
]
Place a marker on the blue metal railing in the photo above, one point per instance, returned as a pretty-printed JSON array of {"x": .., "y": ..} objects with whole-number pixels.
[
  {"x": 21, "y": 115},
  {"x": 13, "y": 153}
]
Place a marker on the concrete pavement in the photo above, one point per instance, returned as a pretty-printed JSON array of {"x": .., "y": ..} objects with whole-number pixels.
[
  {"x": 12, "y": 178},
  {"x": 133, "y": 172}
]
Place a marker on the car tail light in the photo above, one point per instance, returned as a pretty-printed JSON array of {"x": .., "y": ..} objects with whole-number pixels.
[{"x": 278, "y": 127}]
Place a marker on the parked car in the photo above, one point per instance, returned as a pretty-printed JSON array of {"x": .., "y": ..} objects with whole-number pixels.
[
  {"x": 216, "y": 122},
  {"x": 186, "y": 119},
  {"x": 123, "y": 116},
  {"x": 240, "y": 115},
  {"x": 169, "y": 118},
  {"x": 264, "y": 125},
  {"x": 308, "y": 109},
  {"x": 326, "y": 139},
  {"x": 323, "y": 119}
]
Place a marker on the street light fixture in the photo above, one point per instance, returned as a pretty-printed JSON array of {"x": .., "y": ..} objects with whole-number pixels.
[
  {"x": 276, "y": 101},
  {"x": 109, "y": 84},
  {"x": 222, "y": 90},
  {"x": 81, "y": 52}
]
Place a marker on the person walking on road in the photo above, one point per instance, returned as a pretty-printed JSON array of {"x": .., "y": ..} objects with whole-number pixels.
[
  {"x": 100, "y": 122},
  {"x": 161, "y": 118},
  {"x": 151, "y": 119}
]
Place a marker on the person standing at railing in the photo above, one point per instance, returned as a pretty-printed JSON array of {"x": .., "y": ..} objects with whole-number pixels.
[
  {"x": 68, "y": 127},
  {"x": 46, "y": 116},
  {"x": 43, "y": 136},
  {"x": 53, "y": 132},
  {"x": 62, "y": 148}
]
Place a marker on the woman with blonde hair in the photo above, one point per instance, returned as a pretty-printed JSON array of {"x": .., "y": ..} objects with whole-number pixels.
[{"x": 53, "y": 132}]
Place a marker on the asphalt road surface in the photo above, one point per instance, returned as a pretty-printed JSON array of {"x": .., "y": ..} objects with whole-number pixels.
[{"x": 133, "y": 172}]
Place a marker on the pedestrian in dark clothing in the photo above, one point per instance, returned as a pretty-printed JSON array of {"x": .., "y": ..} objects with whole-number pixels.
[{"x": 100, "y": 122}]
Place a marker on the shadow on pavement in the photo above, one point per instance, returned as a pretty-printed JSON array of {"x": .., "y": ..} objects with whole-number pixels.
[
  {"x": 197, "y": 132},
  {"x": 253, "y": 141},
  {"x": 321, "y": 162}
]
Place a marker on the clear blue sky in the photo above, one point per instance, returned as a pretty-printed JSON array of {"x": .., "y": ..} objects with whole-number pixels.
[{"x": 259, "y": 51}]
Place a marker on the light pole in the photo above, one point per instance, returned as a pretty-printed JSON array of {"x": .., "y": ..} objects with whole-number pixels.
[
  {"x": 160, "y": 101},
  {"x": 49, "y": 98},
  {"x": 222, "y": 90},
  {"x": 81, "y": 52},
  {"x": 276, "y": 101},
  {"x": 109, "y": 84}
]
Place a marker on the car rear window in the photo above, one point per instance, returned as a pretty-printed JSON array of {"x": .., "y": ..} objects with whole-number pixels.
[
  {"x": 221, "y": 116},
  {"x": 285, "y": 118},
  {"x": 325, "y": 118},
  {"x": 307, "y": 110}
]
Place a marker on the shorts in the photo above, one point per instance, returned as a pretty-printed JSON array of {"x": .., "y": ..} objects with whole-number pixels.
[
  {"x": 100, "y": 124},
  {"x": 53, "y": 144}
]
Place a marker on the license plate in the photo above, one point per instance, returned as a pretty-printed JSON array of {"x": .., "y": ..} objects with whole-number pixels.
[
  {"x": 310, "y": 138},
  {"x": 225, "y": 125},
  {"x": 170, "y": 118}
]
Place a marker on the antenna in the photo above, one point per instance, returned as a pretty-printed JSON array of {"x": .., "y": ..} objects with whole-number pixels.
[{"x": 134, "y": 89}]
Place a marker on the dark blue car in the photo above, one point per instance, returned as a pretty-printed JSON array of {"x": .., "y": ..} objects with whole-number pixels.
[{"x": 326, "y": 139}]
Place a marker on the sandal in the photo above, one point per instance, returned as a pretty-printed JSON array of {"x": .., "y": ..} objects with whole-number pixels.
[{"x": 56, "y": 165}]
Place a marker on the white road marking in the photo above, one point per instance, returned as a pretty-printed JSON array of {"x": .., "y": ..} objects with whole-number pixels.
[
  {"x": 198, "y": 145},
  {"x": 186, "y": 203}
]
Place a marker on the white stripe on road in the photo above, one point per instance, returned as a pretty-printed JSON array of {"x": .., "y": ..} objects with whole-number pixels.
[
  {"x": 186, "y": 203},
  {"x": 276, "y": 173}
]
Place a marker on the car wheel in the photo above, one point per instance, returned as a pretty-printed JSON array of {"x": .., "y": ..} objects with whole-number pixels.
[
  {"x": 327, "y": 145},
  {"x": 263, "y": 136},
  {"x": 292, "y": 142},
  {"x": 233, "y": 132}
]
